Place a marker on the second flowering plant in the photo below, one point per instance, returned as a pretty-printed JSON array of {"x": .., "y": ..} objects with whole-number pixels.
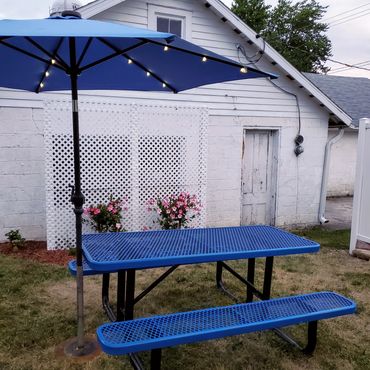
[
  {"x": 105, "y": 217},
  {"x": 175, "y": 211}
]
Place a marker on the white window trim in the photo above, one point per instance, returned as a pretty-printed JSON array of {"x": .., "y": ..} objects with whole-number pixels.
[{"x": 155, "y": 11}]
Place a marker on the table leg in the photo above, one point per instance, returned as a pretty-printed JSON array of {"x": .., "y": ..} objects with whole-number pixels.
[
  {"x": 130, "y": 294},
  {"x": 105, "y": 298},
  {"x": 268, "y": 277},
  {"x": 219, "y": 275},
  {"x": 121, "y": 294},
  {"x": 250, "y": 278}
]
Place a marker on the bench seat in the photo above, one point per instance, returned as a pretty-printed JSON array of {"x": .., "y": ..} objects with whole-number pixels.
[{"x": 157, "y": 332}]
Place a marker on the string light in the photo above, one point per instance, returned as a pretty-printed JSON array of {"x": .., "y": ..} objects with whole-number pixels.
[
  {"x": 129, "y": 61},
  {"x": 47, "y": 74},
  {"x": 166, "y": 48},
  {"x": 243, "y": 70},
  {"x": 204, "y": 59},
  {"x": 148, "y": 74},
  {"x": 41, "y": 85},
  {"x": 53, "y": 61},
  {"x": 164, "y": 85}
]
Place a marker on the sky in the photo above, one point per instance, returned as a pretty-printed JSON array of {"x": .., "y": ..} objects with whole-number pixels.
[{"x": 349, "y": 32}]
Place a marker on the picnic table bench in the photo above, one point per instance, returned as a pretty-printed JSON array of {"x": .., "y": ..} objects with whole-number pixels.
[{"x": 155, "y": 333}]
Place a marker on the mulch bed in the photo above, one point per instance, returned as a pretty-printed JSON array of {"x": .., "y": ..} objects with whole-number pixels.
[{"x": 37, "y": 251}]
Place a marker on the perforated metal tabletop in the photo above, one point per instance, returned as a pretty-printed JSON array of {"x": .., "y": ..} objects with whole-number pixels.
[{"x": 146, "y": 249}]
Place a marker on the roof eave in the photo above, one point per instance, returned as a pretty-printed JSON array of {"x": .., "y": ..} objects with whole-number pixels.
[
  {"x": 238, "y": 24},
  {"x": 97, "y": 6}
]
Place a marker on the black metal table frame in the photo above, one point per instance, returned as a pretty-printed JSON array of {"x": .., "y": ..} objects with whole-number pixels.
[{"x": 126, "y": 298}]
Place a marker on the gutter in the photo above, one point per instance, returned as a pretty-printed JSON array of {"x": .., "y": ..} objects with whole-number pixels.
[{"x": 325, "y": 175}]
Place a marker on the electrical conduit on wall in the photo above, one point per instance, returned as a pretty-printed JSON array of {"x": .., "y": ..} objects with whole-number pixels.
[{"x": 325, "y": 175}]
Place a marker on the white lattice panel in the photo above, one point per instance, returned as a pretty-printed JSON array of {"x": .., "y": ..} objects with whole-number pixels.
[{"x": 132, "y": 151}]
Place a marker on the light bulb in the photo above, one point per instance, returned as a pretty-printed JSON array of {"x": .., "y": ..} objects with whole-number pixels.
[
  {"x": 204, "y": 59},
  {"x": 47, "y": 74},
  {"x": 164, "y": 85},
  {"x": 243, "y": 70},
  {"x": 53, "y": 61},
  {"x": 148, "y": 74},
  {"x": 42, "y": 85},
  {"x": 129, "y": 61},
  {"x": 166, "y": 48}
]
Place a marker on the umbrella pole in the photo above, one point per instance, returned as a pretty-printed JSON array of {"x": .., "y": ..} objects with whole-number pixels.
[{"x": 80, "y": 346}]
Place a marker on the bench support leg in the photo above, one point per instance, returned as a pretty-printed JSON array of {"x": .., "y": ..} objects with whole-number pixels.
[
  {"x": 155, "y": 359},
  {"x": 311, "y": 338}
]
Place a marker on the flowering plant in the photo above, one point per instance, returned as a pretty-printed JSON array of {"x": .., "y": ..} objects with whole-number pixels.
[
  {"x": 175, "y": 211},
  {"x": 105, "y": 217}
]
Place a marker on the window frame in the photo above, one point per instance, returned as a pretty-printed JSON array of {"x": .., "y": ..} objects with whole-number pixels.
[{"x": 156, "y": 11}]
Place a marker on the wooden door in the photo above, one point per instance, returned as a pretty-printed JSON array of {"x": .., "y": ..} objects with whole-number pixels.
[{"x": 258, "y": 178}]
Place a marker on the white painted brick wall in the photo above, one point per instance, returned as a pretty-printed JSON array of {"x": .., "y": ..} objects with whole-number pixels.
[
  {"x": 299, "y": 179},
  {"x": 22, "y": 190},
  {"x": 22, "y": 193}
]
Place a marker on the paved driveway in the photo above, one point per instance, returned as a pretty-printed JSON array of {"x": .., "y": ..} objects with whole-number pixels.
[{"x": 339, "y": 213}]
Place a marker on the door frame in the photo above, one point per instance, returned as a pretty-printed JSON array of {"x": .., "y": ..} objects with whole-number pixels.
[{"x": 275, "y": 144}]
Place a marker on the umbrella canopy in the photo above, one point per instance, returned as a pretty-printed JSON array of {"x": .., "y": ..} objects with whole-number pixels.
[
  {"x": 109, "y": 57},
  {"x": 68, "y": 53}
]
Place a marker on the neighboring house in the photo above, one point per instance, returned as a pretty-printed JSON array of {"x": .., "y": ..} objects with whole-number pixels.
[
  {"x": 352, "y": 95},
  {"x": 253, "y": 173}
]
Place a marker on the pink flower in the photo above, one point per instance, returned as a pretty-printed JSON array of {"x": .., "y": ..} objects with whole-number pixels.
[
  {"x": 110, "y": 208},
  {"x": 168, "y": 211},
  {"x": 96, "y": 211},
  {"x": 118, "y": 226},
  {"x": 173, "y": 216},
  {"x": 159, "y": 211},
  {"x": 174, "y": 209},
  {"x": 86, "y": 211}
]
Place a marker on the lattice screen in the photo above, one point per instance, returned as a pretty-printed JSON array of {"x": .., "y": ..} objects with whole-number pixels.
[{"x": 131, "y": 151}]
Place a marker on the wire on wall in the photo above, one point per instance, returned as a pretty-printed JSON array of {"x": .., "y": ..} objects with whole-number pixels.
[{"x": 250, "y": 60}]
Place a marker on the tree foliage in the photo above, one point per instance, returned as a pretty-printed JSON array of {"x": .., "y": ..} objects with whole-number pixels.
[{"x": 296, "y": 31}]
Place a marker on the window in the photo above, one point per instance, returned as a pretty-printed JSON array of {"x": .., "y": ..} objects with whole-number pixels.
[
  {"x": 166, "y": 19},
  {"x": 169, "y": 25}
]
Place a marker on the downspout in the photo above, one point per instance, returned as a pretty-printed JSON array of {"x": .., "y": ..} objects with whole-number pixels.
[{"x": 325, "y": 175}]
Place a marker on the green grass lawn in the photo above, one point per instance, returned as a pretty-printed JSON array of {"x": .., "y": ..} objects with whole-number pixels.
[{"x": 37, "y": 312}]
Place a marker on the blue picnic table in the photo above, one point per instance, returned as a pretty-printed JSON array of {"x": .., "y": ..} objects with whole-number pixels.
[{"x": 127, "y": 252}]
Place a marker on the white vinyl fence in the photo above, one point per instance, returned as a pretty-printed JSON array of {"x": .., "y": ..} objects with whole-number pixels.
[
  {"x": 360, "y": 231},
  {"x": 131, "y": 151}
]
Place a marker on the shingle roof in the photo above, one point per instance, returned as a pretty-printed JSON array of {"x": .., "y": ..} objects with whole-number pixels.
[{"x": 351, "y": 94}]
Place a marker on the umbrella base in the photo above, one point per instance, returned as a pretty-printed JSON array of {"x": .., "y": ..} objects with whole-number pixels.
[{"x": 69, "y": 350}]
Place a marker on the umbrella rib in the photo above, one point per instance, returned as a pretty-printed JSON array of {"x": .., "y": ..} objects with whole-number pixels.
[
  {"x": 51, "y": 56},
  {"x": 111, "y": 56},
  {"x": 142, "y": 66},
  {"x": 84, "y": 51},
  {"x": 34, "y": 56},
  {"x": 49, "y": 66},
  {"x": 234, "y": 64}
]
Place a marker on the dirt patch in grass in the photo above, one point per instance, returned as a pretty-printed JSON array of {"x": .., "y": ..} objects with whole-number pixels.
[{"x": 37, "y": 251}]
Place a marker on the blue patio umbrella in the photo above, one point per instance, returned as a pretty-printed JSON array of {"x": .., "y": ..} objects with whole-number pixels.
[{"x": 69, "y": 53}]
